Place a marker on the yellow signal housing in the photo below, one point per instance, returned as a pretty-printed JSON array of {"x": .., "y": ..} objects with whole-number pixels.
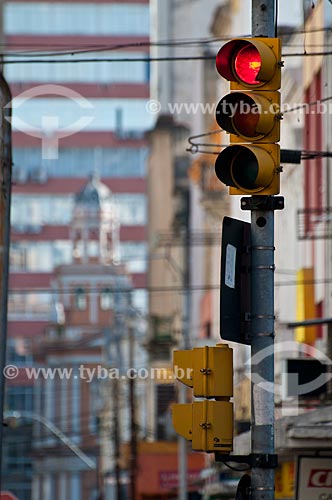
[
  {"x": 269, "y": 74},
  {"x": 182, "y": 418},
  {"x": 250, "y": 169},
  {"x": 209, "y": 370},
  {"x": 208, "y": 423},
  {"x": 212, "y": 426},
  {"x": 213, "y": 371},
  {"x": 251, "y": 114},
  {"x": 183, "y": 366},
  {"x": 241, "y": 58}
]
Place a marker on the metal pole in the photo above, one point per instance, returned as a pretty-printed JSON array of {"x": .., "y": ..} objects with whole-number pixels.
[
  {"x": 133, "y": 437},
  {"x": 262, "y": 293},
  {"x": 263, "y": 13},
  {"x": 5, "y": 200},
  {"x": 182, "y": 442},
  {"x": 182, "y": 452},
  {"x": 116, "y": 438},
  {"x": 262, "y": 309}
]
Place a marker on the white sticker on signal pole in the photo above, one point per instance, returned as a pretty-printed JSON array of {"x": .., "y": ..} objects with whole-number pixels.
[{"x": 230, "y": 266}]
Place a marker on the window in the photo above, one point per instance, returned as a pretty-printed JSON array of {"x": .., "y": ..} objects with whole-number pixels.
[
  {"x": 101, "y": 115},
  {"x": 140, "y": 300},
  {"x": 17, "y": 257},
  {"x": 93, "y": 248},
  {"x": 80, "y": 299},
  {"x": 40, "y": 256},
  {"x": 132, "y": 209},
  {"x": 29, "y": 212},
  {"x": 19, "y": 398},
  {"x": 18, "y": 459},
  {"x": 111, "y": 162},
  {"x": 18, "y": 351},
  {"x": 95, "y": 405},
  {"x": 41, "y": 18},
  {"x": 134, "y": 256},
  {"x": 106, "y": 299},
  {"x": 165, "y": 395},
  {"x": 85, "y": 72},
  {"x": 30, "y": 303}
]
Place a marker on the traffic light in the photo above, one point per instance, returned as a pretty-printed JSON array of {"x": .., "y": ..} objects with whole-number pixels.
[
  {"x": 250, "y": 113},
  {"x": 208, "y": 423}
]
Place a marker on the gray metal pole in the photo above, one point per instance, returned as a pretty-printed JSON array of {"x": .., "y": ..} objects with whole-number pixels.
[
  {"x": 5, "y": 202},
  {"x": 263, "y": 13},
  {"x": 133, "y": 426},
  {"x": 262, "y": 309},
  {"x": 262, "y": 293},
  {"x": 182, "y": 453},
  {"x": 182, "y": 442}
]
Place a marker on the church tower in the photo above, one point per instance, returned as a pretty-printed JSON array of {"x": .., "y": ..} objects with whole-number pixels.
[{"x": 95, "y": 226}]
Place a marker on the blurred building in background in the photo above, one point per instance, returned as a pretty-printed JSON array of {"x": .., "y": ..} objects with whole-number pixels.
[
  {"x": 74, "y": 119},
  {"x": 70, "y": 119},
  {"x": 89, "y": 337}
]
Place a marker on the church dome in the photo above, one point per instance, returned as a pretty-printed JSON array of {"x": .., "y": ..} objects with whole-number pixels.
[{"x": 94, "y": 194}]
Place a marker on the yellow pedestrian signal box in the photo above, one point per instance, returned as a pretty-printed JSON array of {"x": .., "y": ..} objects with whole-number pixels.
[
  {"x": 208, "y": 423},
  {"x": 251, "y": 115}
]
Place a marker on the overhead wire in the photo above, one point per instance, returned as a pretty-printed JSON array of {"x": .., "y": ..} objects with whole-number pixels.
[
  {"x": 145, "y": 59},
  {"x": 276, "y": 18},
  {"x": 162, "y": 289},
  {"x": 70, "y": 49}
]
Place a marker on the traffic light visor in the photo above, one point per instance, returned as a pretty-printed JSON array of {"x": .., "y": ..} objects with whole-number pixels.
[{"x": 249, "y": 62}]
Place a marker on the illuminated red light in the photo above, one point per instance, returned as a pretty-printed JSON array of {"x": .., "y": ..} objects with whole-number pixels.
[{"x": 247, "y": 64}]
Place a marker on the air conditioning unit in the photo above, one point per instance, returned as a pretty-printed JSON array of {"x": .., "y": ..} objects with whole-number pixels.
[
  {"x": 33, "y": 228},
  {"x": 20, "y": 175},
  {"x": 129, "y": 134},
  {"x": 39, "y": 175},
  {"x": 19, "y": 228}
]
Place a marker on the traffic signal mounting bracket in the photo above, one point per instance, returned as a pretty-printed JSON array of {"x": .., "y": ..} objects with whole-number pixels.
[
  {"x": 257, "y": 460},
  {"x": 262, "y": 203}
]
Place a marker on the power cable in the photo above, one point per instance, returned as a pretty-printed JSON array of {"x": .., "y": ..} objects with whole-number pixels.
[
  {"x": 164, "y": 289},
  {"x": 70, "y": 49},
  {"x": 276, "y": 19},
  {"x": 145, "y": 59}
]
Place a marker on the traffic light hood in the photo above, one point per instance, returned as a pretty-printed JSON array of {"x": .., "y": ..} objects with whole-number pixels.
[{"x": 251, "y": 63}]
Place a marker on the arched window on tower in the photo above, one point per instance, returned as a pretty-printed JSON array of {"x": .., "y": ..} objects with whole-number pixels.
[
  {"x": 80, "y": 299},
  {"x": 106, "y": 299}
]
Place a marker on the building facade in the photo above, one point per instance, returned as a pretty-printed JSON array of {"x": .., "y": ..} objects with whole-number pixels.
[
  {"x": 71, "y": 117},
  {"x": 88, "y": 340}
]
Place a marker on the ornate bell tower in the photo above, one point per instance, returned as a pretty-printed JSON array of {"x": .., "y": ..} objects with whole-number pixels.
[{"x": 95, "y": 226}]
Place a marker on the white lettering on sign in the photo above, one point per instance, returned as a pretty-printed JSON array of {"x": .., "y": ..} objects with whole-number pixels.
[
  {"x": 320, "y": 478},
  {"x": 230, "y": 266}
]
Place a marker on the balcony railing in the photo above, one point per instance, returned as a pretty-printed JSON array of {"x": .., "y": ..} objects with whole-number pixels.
[{"x": 314, "y": 223}]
